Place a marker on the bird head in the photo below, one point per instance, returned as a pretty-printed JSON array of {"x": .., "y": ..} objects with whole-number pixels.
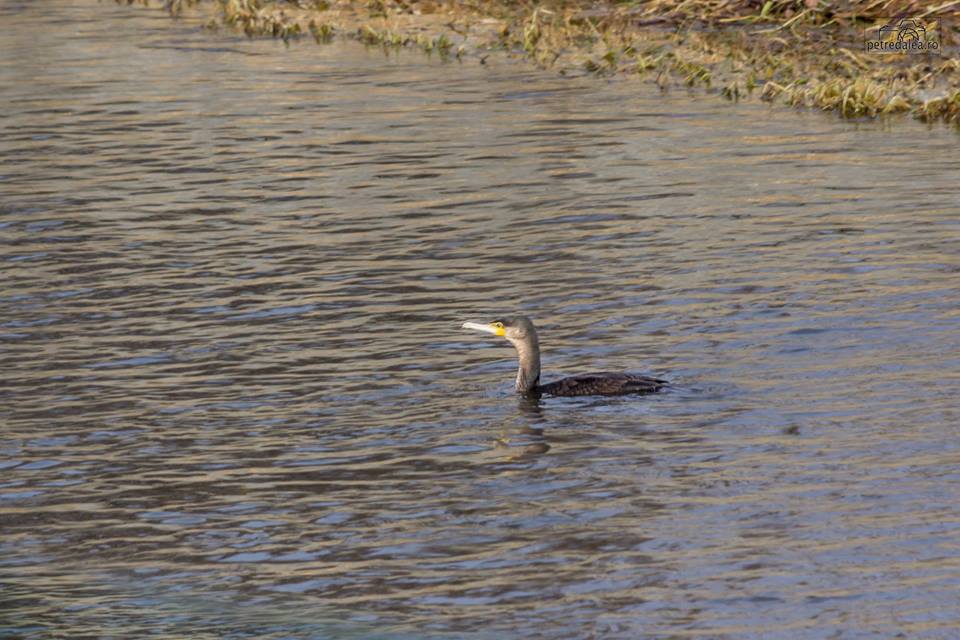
[{"x": 517, "y": 329}]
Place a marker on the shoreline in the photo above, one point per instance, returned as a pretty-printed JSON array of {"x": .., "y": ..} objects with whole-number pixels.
[{"x": 802, "y": 54}]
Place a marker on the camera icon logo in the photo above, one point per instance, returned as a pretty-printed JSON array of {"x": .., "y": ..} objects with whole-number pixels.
[
  {"x": 907, "y": 31},
  {"x": 902, "y": 35}
]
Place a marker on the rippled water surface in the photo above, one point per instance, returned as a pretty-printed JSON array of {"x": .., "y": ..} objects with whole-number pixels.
[{"x": 236, "y": 401}]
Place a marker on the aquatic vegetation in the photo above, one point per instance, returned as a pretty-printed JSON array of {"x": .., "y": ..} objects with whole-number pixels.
[
  {"x": 852, "y": 99},
  {"x": 943, "y": 108},
  {"x": 256, "y": 20},
  {"x": 802, "y": 53},
  {"x": 322, "y": 32},
  {"x": 386, "y": 38}
]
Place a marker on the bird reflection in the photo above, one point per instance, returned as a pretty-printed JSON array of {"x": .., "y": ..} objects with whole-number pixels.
[{"x": 523, "y": 436}]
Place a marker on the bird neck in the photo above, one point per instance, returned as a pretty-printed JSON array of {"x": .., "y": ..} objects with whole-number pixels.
[{"x": 528, "y": 375}]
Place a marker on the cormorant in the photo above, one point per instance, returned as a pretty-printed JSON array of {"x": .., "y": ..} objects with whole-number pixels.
[{"x": 523, "y": 336}]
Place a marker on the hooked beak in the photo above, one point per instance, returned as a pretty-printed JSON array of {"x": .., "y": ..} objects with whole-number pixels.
[{"x": 486, "y": 328}]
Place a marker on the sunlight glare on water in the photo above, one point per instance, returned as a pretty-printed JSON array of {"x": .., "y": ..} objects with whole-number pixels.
[{"x": 237, "y": 401}]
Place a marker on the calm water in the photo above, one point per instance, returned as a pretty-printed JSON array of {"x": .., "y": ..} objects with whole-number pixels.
[{"x": 236, "y": 401}]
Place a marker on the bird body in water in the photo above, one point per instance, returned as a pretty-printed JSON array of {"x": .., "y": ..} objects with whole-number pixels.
[{"x": 523, "y": 336}]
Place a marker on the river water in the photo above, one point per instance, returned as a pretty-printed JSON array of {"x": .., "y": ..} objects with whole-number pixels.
[{"x": 237, "y": 403}]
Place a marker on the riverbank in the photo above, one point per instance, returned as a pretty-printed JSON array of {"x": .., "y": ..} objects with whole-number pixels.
[{"x": 807, "y": 54}]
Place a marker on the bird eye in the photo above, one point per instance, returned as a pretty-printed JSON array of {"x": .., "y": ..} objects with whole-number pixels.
[{"x": 498, "y": 325}]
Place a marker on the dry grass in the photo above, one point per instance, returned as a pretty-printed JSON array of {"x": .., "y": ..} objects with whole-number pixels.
[{"x": 804, "y": 53}]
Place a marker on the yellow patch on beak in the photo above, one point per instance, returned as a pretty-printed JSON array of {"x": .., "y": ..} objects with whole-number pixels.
[{"x": 496, "y": 328}]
